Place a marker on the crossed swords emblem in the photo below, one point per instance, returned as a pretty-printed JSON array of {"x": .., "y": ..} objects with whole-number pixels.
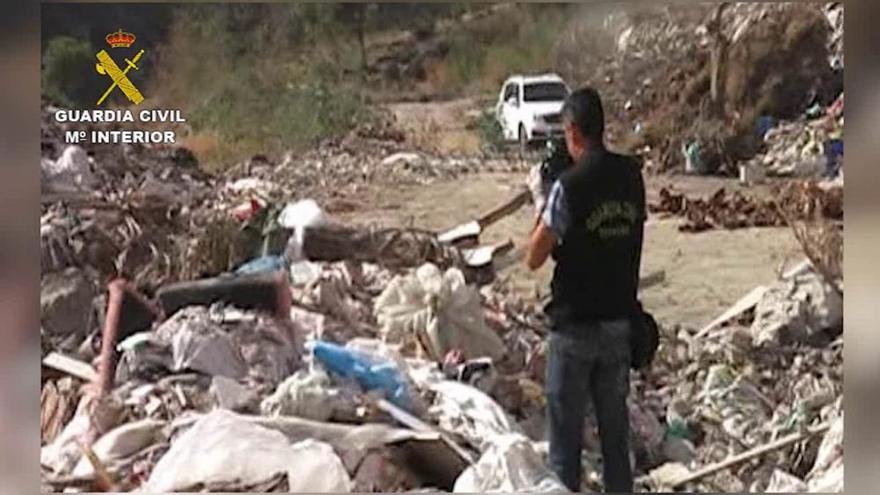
[{"x": 107, "y": 66}]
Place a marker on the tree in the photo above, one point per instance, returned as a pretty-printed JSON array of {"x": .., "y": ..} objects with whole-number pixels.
[
  {"x": 64, "y": 75},
  {"x": 718, "y": 60}
]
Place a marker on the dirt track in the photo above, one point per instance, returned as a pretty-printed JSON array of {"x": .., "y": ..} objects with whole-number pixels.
[{"x": 705, "y": 273}]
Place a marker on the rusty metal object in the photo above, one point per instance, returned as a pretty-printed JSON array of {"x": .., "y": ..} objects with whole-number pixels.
[{"x": 127, "y": 312}]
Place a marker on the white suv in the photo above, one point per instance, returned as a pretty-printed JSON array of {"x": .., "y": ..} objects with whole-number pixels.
[{"x": 529, "y": 108}]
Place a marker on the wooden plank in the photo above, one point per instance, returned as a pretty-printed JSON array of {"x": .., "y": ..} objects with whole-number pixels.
[
  {"x": 798, "y": 269},
  {"x": 745, "y": 303},
  {"x": 70, "y": 366}
]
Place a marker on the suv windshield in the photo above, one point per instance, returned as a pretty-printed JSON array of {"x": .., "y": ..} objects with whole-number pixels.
[{"x": 550, "y": 91}]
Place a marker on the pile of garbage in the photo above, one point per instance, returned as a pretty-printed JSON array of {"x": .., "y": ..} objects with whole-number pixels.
[
  {"x": 657, "y": 68},
  {"x": 795, "y": 201},
  {"x": 419, "y": 380},
  {"x": 756, "y": 382},
  {"x": 808, "y": 147},
  {"x": 194, "y": 338}
]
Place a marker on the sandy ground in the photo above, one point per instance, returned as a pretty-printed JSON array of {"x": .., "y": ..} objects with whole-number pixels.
[
  {"x": 440, "y": 126},
  {"x": 705, "y": 272}
]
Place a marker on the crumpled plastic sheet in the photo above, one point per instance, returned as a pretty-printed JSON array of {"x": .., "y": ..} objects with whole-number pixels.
[
  {"x": 442, "y": 306},
  {"x": 783, "y": 482},
  {"x": 509, "y": 464},
  {"x": 827, "y": 473},
  {"x": 737, "y": 402},
  {"x": 200, "y": 344},
  {"x": 307, "y": 394},
  {"x": 72, "y": 171},
  {"x": 64, "y": 452},
  {"x": 222, "y": 447},
  {"x": 226, "y": 342},
  {"x": 468, "y": 411}
]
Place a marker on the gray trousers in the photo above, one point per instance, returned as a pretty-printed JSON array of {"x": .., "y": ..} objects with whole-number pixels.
[{"x": 586, "y": 362}]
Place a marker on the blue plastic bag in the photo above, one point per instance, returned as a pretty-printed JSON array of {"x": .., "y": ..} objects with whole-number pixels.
[
  {"x": 370, "y": 373},
  {"x": 262, "y": 265},
  {"x": 763, "y": 125}
]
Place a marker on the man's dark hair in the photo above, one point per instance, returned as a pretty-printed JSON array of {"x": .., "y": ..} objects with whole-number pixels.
[{"x": 583, "y": 108}]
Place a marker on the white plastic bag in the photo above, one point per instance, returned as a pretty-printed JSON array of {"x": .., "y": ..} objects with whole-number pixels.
[
  {"x": 510, "y": 464},
  {"x": 303, "y": 213},
  {"x": 223, "y": 447},
  {"x": 443, "y": 307},
  {"x": 468, "y": 411}
]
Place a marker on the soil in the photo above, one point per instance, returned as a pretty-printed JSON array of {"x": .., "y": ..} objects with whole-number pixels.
[{"x": 705, "y": 272}]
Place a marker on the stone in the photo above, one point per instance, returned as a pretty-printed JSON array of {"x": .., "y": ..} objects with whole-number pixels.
[{"x": 65, "y": 303}]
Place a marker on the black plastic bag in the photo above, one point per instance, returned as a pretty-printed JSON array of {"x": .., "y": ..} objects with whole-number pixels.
[{"x": 645, "y": 338}]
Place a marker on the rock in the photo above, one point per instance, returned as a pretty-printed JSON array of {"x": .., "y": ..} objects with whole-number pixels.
[
  {"x": 797, "y": 310},
  {"x": 232, "y": 395},
  {"x": 677, "y": 449},
  {"x": 65, "y": 303},
  {"x": 667, "y": 475},
  {"x": 404, "y": 160}
]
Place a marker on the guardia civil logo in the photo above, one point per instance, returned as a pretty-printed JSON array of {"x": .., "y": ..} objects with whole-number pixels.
[{"x": 119, "y": 77}]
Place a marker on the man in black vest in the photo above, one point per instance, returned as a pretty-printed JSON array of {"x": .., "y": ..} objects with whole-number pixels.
[{"x": 592, "y": 223}]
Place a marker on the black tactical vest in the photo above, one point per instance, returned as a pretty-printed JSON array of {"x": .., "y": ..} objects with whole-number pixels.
[{"x": 597, "y": 261}]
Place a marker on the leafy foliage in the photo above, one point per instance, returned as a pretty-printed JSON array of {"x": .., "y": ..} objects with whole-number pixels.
[{"x": 62, "y": 72}]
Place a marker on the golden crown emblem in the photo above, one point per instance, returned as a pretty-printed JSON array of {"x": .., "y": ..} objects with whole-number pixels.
[{"x": 120, "y": 39}]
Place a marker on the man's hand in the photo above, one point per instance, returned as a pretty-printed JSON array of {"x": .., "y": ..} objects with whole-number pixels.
[{"x": 536, "y": 186}]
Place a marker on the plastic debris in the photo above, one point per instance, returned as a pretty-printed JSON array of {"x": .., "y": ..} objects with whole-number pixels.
[
  {"x": 440, "y": 310},
  {"x": 508, "y": 464},
  {"x": 221, "y": 447},
  {"x": 370, "y": 373}
]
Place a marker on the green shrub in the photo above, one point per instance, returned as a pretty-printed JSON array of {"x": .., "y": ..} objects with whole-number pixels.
[
  {"x": 64, "y": 76},
  {"x": 491, "y": 137}
]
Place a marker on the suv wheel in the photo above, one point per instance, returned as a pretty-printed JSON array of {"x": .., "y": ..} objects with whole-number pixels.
[{"x": 523, "y": 141}]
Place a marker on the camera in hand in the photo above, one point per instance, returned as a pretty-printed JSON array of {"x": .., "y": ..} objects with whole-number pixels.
[{"x": 556, "y": 161}]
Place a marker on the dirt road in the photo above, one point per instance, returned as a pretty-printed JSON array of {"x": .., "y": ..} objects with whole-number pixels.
[{"x": 705, "y": 272}]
